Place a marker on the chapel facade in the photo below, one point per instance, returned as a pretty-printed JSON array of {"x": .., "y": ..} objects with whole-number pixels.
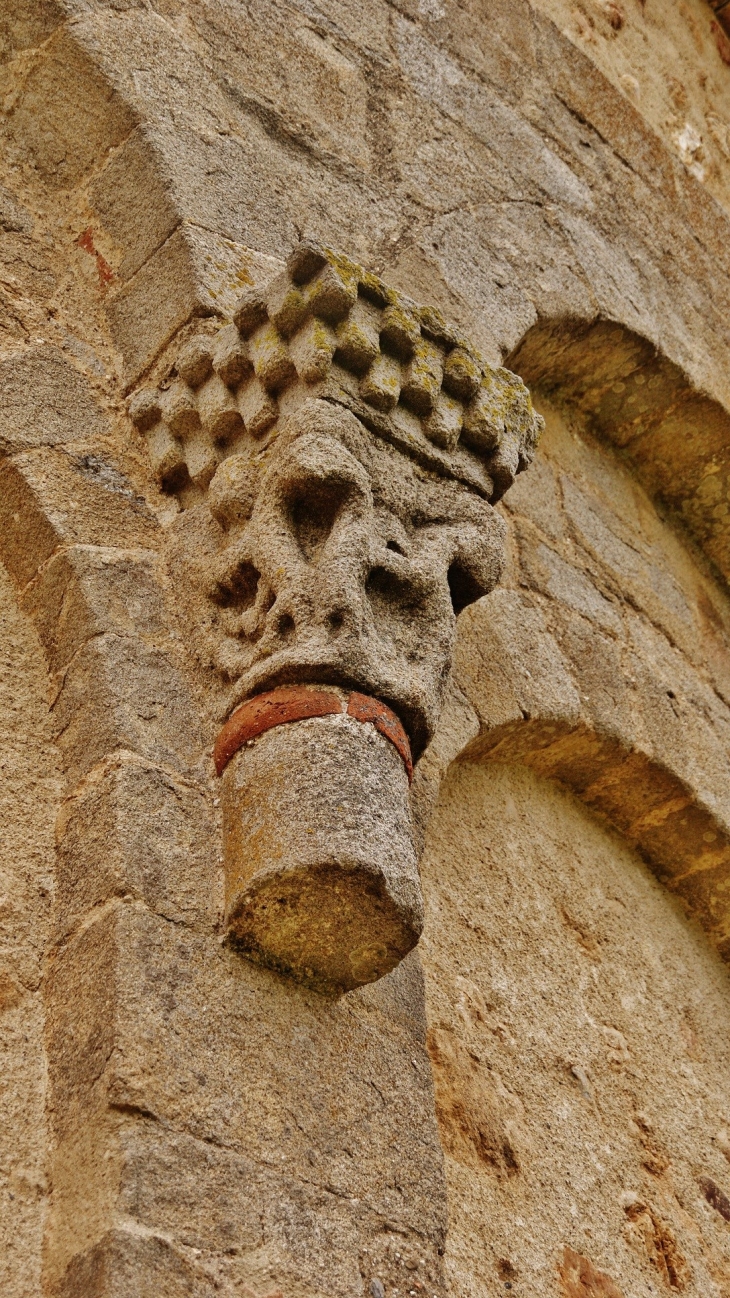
[{"x": 365, "y": 649}]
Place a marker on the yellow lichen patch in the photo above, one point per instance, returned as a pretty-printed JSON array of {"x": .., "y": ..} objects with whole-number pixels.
[
  {"x": 400, "y": 331},
  {"x": 312, "y": 349},
  {"x": 271, "y": 360},
  {"x": 483, "y": 420},
  {"x": 444, "y": 423},
  {"x": 288, "y": 308},
  {"x": 358, "y": 340},
  {"x": 462, "y": 374},
  {"x": 325, "y": 320},
  {"x": 422, "y": 378},
  {"x": 381, "y": 385}
]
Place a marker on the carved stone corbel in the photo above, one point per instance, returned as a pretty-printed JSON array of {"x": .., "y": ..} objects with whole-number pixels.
[{"x": 336, "y": 453}]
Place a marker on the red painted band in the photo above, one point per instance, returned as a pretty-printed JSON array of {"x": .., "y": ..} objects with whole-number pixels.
[
  {"x": 264, "y": 711},
  {"x": 296, "y": 703}
]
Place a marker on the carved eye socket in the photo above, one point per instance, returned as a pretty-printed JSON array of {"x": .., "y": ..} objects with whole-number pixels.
[
  {"x": 313, "y": 512},
  {"x": 395, "y": 547},
  {"x": 463, "y": 587},
  {"x": 239, "y": 590}
]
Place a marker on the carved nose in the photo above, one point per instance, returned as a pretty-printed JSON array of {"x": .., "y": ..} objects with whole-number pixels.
[
  {"x": 310, "y": 529},
  {"x": 320, "y": 488}
]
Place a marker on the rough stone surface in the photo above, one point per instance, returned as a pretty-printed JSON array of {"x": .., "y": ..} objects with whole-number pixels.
[
  {"x": 134, "y": 831},
  {"x": 207, "y": 1062},
  {"x": 321, "y": 874},
  {"x": 44, "y": 401},
  {"x": 576, "y": 1028},
  {"x": 652, "y": 56},
  {"x": 328, "y": 327},
  {"x": 30, "y": 789},
  {"x": 551, "y": 177},
  {"x": 345, "y": 566},
  {"x": 619, "y": 713},
  {"x": 55, "y": 499}
]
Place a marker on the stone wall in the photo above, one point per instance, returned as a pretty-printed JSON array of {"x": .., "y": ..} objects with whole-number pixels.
[
  {"x": 578, "y": 1034},
  {"x": 211, "y": 1126},
  {"x": 574, "y": 1012},
  {"x": 668, "y": 60},
  {"x": 30, "y": 793}
]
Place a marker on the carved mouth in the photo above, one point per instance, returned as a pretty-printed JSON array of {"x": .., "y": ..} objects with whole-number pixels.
[
  {"x": 292, "y": 703},
  {"x": 296, "y": 670}
]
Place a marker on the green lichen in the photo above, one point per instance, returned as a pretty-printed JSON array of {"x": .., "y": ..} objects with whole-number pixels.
[
  {"x": 422, "y": 381},
  {"x": 400, "y": 329},
  {"x": 462, "y": 373}
]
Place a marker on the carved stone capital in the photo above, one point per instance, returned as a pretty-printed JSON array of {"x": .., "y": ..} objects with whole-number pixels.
[{"x": 336, "y": 453}]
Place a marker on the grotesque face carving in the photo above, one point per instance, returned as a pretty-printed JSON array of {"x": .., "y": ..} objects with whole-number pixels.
[
  {"x": 348, "y": 567},
  {"x": 349, "y": 445},
  {"x": 336, "y": 452}
]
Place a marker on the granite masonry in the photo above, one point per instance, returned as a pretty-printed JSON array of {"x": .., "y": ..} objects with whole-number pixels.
[{"x": 365, "y": 676}]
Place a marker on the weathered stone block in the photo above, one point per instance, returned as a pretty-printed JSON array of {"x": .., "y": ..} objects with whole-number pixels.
[
  {"x": 635, "y": 569},
  {"x": 193, "y": 273},
  {"x": 597, "y": 664},
  {"x": 509, "y": 665},
  {"x": 15, "y": 218},
  {"x": 555, "y": 577},
  {"x": 120, "y": 694},
  {"x": 398, "y": 998},
  {"x": 151, "y": 1017},
  {"x": 45, "y": 401},
  {"x": 133, "y": 831},
  {"x": 82, "y": 991},
  {"x": 147, "y": 310},
  {"x": 28, "y": 24},
  {"x": 458, "y": 726},
  {"x": 65, "y": 144},
  {"x": 166, "y": 1177},
  {"x": 537, "y": 497},
  {"x": 136, "y": 200},
  {"x": 122, "y": 1264},
  {"x": 88, "y": 590},
  {"x": 256, "y": 1224},
  {"x": 685, "y": 724},
  {"x": 50, "y": 498},
  {"x": 592, "y": 98}
]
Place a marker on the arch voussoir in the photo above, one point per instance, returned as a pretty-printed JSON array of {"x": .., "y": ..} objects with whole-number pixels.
[{"x": 517, "y": 702}]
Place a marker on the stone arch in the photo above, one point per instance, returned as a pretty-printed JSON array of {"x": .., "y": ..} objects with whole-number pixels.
[
  {"x": 686, "y": 844},
  {"x": 517, "y": 695},
  {"x": 675, "y": 436},
  {"x": 29, "y": 793},
  {"x": 80, "y": 547},
  {"x": 520, "y": 706},
  {"x": 92, "y": 136},
  {"x": 678, "y": 828}
]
